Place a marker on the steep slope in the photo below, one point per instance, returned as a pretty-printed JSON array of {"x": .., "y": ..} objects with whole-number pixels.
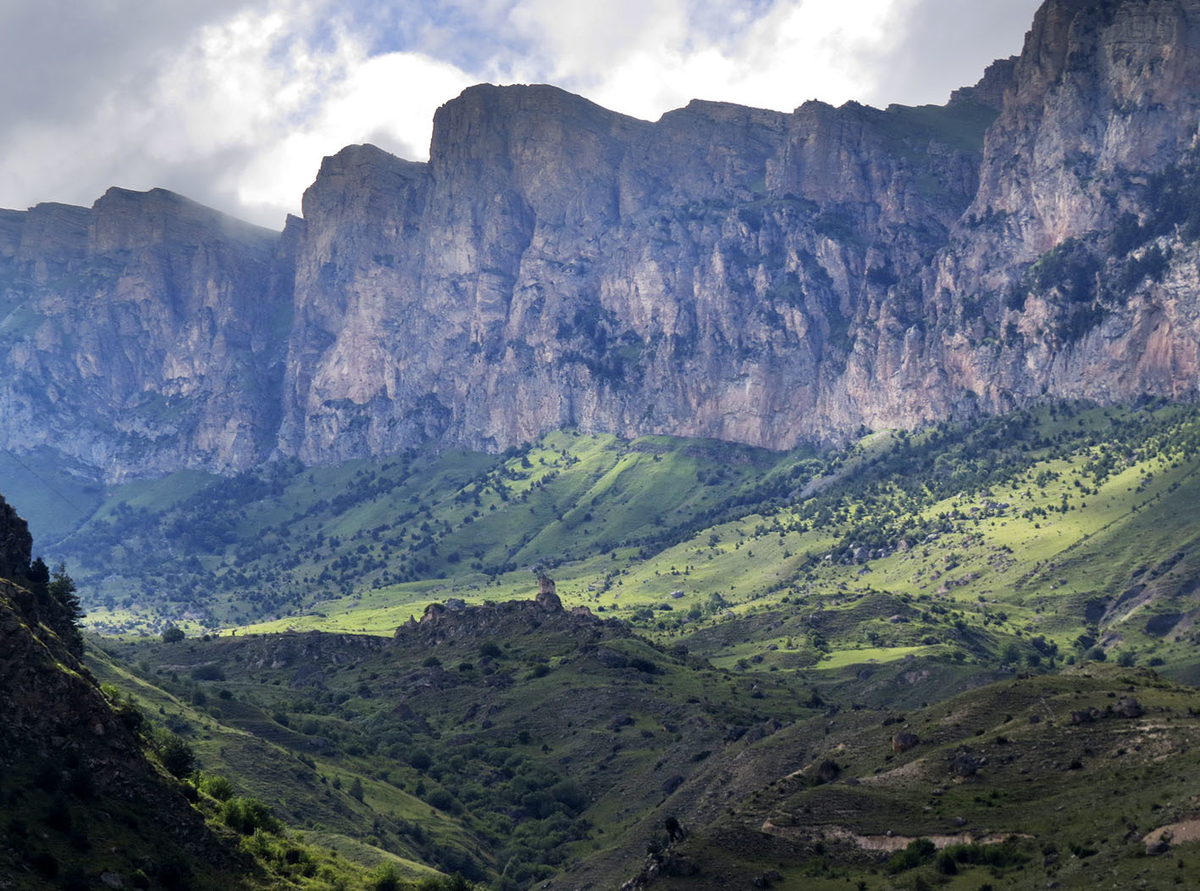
[
  {"x": 82, "y": 803},
  {"x": 1074, "y": 271},
  {"x": 141, "y": 335},
  {"x": 770, "y": 278},
  {"x": 698, "y": 276},
  {"x": 1066, "y": 781}
]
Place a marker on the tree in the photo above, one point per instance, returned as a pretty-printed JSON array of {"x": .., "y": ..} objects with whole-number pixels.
[
  {"x": 172, "y": 635},
  {"x": 62, "y": 588},
  {"x": 39, "y": 576},
  {"x": 177, "y": 757},
  {"x": 356, "y": 789},
  {"x": 63, "y": 607}
]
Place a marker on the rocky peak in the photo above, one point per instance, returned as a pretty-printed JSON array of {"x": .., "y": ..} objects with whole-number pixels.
[
  {"x": 996, "y": 80},
  {"x": 11, "y": 224},
  {"x": 52, "y": 236},
  {"x": 359, "y": 173},
  {"x": 126, "y": 221},
  {"x": 535, "y": 151},
  {"x": 1101, "y": 89}
]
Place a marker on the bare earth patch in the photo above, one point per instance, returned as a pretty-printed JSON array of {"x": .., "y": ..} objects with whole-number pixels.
[
  {"x": 885, "y": 843},
  {"x": 1175, "y": 833}
]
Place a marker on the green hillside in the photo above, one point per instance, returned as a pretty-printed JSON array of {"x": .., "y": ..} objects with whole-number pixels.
[
  {"x": 735, "y": 622},
  {"x": 1040, "y": 535}
]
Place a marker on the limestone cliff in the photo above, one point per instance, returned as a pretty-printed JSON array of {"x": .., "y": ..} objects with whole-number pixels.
[
  {"x": 141, "y": 335},
  {"x": 725, "y": 272},
  {"x": 556, "y": 264}
]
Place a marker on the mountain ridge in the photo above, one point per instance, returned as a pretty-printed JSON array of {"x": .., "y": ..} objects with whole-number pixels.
[{"x": 726, "y": 272}]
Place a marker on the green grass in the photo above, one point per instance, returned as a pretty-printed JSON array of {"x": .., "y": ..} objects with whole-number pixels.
[
  {"x": 788, "y": 604},
  {"x": 963, "y": 529}
]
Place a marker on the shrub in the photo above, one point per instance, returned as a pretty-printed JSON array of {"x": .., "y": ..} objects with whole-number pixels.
[
  {"x": 209, "y": 673},
  {"x": 443, "y": 801},
  {"x": 217, "y": 786},
  {"x": 245, "y": 815},
  {"x": 177, "y": 757},
  {"x": 386, "y": 879},
  {"x": 919, "y": 851},
  {"x": 420, "y": 760},
  {"x": 172, "y": 635}
]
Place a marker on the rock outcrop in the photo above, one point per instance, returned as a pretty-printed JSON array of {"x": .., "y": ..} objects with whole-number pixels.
[
  {"x": 723, "y": 272},
  {"x": 16, "y": 543},
  {"x": 545, "y": 612}
]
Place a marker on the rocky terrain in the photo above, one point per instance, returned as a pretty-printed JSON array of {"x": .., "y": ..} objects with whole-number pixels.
[{"x": 725, "y": 272}]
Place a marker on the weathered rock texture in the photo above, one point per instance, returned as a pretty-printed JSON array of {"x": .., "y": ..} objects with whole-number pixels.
[
  {"x": 724, "y": 272},
  {"x": 142, "y": 335}
]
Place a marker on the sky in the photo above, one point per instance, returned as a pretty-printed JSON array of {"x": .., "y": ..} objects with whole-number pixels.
[{"x": 235, "y": 102}]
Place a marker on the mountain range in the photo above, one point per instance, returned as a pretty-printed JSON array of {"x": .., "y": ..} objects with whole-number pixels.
[{"x": 726, "y": 272}]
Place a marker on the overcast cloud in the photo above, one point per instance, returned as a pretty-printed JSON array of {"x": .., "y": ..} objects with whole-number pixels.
[{"x": 235, "y": 102}]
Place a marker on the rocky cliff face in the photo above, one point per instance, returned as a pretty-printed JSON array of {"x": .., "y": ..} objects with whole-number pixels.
[
  {"x": 141, "y": 335},
  {"x": 726, "y": 272},
  {"x": 557, "y": 264}
]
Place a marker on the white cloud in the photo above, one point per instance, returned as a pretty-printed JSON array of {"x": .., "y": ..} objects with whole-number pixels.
[
  {"x": 388, "y": 99},
  {"x": 645, "y": 58},
  {"x": 236, "y": 102},
  {"x": 239, "y": 117}
]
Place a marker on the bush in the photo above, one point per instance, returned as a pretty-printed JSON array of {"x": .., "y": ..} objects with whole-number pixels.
[
  {"x": 172, "y": 635},
  {"x": 919, "y": 851},
  {"x": 217, "y": 786},
  {"x": 177, "y": 757},
  {"x": 996, "y": 856},
  {"x": 455, "y": 882},
  {"x": 245, "y": 815},
  {"x": 386, "y": 879},
  {"x": 420, "y": 760},
  {"x": 443, "y": 801},
  {"x": 209, "y": 673}
]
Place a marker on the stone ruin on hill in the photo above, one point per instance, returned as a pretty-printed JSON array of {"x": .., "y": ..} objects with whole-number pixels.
[{"x": 457, "y": 614}]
